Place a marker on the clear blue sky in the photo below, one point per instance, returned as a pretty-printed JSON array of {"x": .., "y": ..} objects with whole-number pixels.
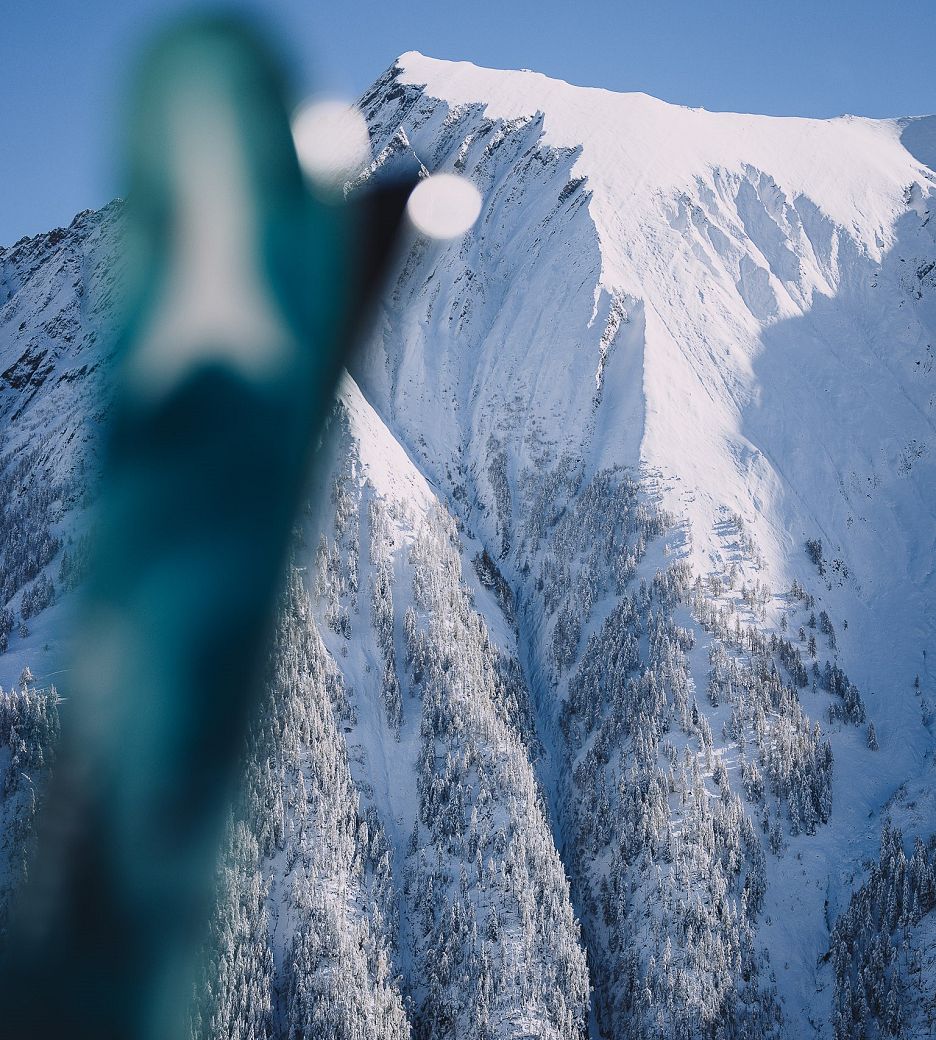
[{"x": 63, "y": 64}]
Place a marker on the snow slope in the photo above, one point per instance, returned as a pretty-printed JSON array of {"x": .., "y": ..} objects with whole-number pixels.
[
  {"x": 769, "y": 295},
  {"x": 741, "y": 306}
]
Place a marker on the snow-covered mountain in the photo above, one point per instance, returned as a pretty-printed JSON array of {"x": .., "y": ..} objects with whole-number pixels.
[
  {"x": 738, "y": 312},
  {"x": 603, "y": 663}
]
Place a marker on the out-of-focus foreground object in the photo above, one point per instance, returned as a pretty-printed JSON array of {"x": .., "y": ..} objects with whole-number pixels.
[
  {"x": 444, "y": 206},
  {"x": 245, "y": 292}
]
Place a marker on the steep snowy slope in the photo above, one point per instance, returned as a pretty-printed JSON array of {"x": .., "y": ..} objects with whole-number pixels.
[
  {"x": 391, "y": 870},
  {"x": 761, "y": 280},
  {"x": 57, "y": 308},
  {"x": 603, "y": 660},
  {"x": 742, "y": 308}
]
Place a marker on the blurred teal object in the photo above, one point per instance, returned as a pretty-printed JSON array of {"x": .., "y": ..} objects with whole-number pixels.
[{"x": 246, "y": 291}]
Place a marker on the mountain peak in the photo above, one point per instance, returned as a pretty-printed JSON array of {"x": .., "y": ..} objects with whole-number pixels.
[
  {"x": 639, "y": 153},
  {"x": 436, "y": 73}
]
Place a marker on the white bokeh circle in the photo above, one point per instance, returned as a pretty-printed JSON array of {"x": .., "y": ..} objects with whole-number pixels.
[
  {"x": 444, "y": 205},
  {"x": 331, "y": 139}
]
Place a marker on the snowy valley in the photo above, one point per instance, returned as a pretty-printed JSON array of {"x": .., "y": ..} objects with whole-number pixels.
[{"x": 600, "y": 702}]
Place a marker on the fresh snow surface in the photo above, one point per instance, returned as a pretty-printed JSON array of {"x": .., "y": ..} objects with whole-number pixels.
[
  {"x": 774, "y": 317},
  {"x": 747, "y": 312},
  {"x": 750, "y": 246},
  {"x": 636, "y": 149}
]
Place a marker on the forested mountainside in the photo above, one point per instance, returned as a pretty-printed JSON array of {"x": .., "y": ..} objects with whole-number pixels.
[{"x": 599, "y": 703}]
